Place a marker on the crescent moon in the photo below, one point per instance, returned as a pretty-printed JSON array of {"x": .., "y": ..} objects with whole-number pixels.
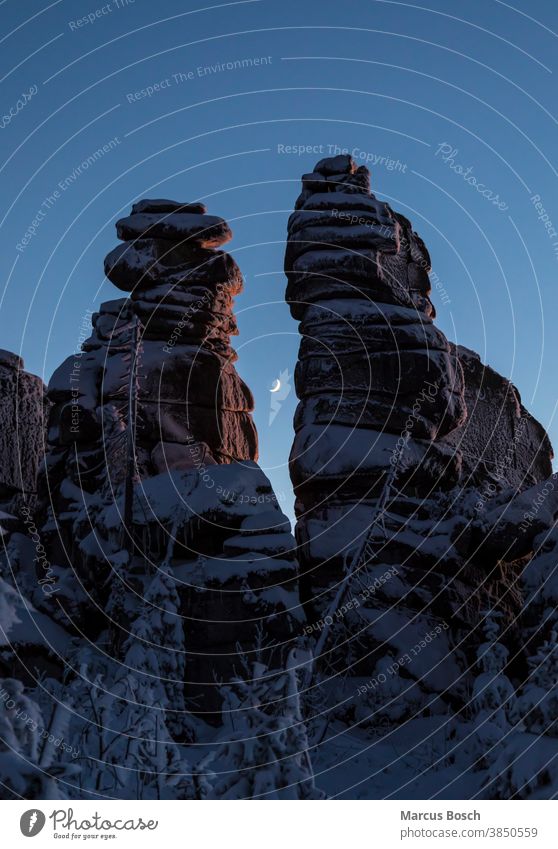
[{"x": 276, "y": 386}]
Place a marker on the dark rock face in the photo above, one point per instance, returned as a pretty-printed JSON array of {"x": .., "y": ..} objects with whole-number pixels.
[
  {"x": 30, "y": 641},
  {"x": 515, "y": 450},
  {"x": 396, "y": 429},
  {"x": 371, "y": 365},
  {"x": 133, "y": 599},
  {"x": 22, "y": 428},
  {"x": 192, "y": 405},
  {"x": 200, "y": 505},
  {"x": 231, "y": 556},
  {"x": 234, "y": 560}
]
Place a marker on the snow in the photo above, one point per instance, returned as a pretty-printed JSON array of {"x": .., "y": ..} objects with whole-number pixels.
[
  {"x": 224, "y": 570},
  {"x": 208, "y": 230},
  {"x": 349, "y": 202},
  {"x": 234, "y": 488},
  {"x": 23, "y": 624},
  {"x": 267, "y": 521},
  {"x": 527, "y": 768},
  {"x": 222, "y": 581},
  {"x": 338, "y": 451},
  {"x": 262, "y": 543},
  {"x": 434, "y": 665}
]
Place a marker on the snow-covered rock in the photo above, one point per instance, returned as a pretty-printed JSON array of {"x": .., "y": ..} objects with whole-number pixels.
[
  {"x": 151, "y": 466},
  {"x": 399, "y": 430},
  {"x": 22, "y": 428}
]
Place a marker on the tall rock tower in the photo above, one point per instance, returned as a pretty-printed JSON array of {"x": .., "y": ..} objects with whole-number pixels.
[
  {"x": 384, "y": 438},
  {"x": 151, "y": 461},
  {"x": 192, "y": 407}
]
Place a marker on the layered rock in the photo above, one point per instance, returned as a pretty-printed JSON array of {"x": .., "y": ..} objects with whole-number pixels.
[
  {"x": 514, "y": 449},
  {"x": 384, "y": 439},
  {"x": 151, "y": 462},
  {"x": 30, "y": 641},
  {"x": 178, "y": 316},
  {"x": 372, "y": 367},
  {"x": 158, "y": 363},
  {"x": 182, "y": 289},
  {"x": 22, "y": 429},
  {"x": 371, "y": 360}
]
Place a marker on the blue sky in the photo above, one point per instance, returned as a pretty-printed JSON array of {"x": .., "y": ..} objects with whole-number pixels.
[{"x": 399, "y": 83}]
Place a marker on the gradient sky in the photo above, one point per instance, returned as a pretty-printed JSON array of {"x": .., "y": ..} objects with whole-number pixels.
[{"x": 392, "y": 80}]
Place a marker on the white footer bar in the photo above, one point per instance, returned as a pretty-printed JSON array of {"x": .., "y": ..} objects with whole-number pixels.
[{"x": 282, "y": 825}]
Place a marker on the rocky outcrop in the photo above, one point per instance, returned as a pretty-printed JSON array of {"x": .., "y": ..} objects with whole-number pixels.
[
  {"x": 157, "y": 371},
  {"x": 156, "y": 588},
  {"x": 374, "y": 374},
  {"x": 182, "y": 289},
  {"x": 31, "y": 643},
  {"x": 22, "y": 428},
  {"x": 397, "y": 429},
  {"x": 151, "y": 465},
  {"x": 371, "y": 362},
  {"x": 231, "y": 559},
  {"x": 501, "y": 444},
  {"x": 192, "y": 406}
]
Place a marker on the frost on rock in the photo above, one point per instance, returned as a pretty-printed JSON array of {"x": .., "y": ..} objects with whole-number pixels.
[
  {"x": 155, "y": 557},
  {"x": 168, "y": 342},
  {"x": 164, "y": 637},
  {"x": 400, "y": 429},
  {"x": 151, "y": 435},
  {"x": 32, "y": 643}
]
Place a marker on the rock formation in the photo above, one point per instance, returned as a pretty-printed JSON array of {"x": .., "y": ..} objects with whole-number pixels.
[
  {"x": 167, "y": 346},
  {"x": 29, "y": 640},
  {"x": 192, "y": 405},
  {"x": 514, "y": 448},
  {"x": 396, "y": 428},
  {"x": 153, "y": 402},
  {"x": 22, "y": 410},
  {"x": 155, "y": 592}
]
